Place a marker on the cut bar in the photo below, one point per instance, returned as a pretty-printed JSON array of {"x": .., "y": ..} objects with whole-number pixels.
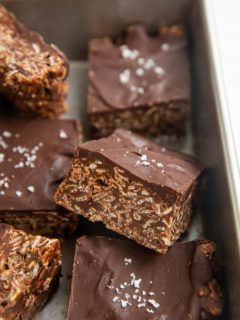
[
  {"x": 140, "y": 82},
  {"x": 34, "y": 157},
  {"x": 29, "y": 272},
  {"x": 117, "y": 279},
  {"x": 134, "y": 186},
  {"x": 32, "y": 73}
]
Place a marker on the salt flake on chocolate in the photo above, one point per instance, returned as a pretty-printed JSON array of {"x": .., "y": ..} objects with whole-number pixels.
[
  {"x": 154, "y": 303},
  {"x": 2, "y": 156},
  {"x": 19, "y": 193},
  {"x": 6, "y": 134},
  {"x": 124, "y": 76},
  {"x": 149, "y": 64},
  {"x": 63, "y": 134},
  {"x": 127, "y": 261},
  {"x": 128, "y": 53},
  {"x": 159, "y": 71},
  {"x": 139, "y": 72},
  {"x": 165, "y": 47},
  {"x": 31, "y": 189}
]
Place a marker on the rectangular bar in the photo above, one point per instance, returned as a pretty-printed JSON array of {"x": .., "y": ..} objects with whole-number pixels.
[
  {"x": 34, "y": 157},
  {"x": 117, "y": 279},
  {"x": 139, "y": 82},
  {"x": 29, "y": 272},
  {"x": 134, "y": 186},
  {"x": 32, "y": 72}
]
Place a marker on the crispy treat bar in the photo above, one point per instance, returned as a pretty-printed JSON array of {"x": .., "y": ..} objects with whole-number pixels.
[
  {"x": 34, "y": 157},
  {"x": 140, "y": 82},
  {"x": 32, "y": 73},
  {"x": 134, "y": 186},
  {"x": 29, "y": 271},
  {"x": 117, "y": 279}
]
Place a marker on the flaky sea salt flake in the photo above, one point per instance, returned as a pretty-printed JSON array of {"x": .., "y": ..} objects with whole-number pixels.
[
  {"x": 2, "y": 156},
  {"x": 31, "y": 189},
  {"x": 139, "y": 72},
  {"x": 127, "y": 261},
  {"x": 115, "y": 299},
  {"x": 154, "y": 303},
  {"x": 165, "y": 46},
  {"x": 124, "y": 76},
  {"x": 149, "y": 64},
  {"x": 19, "y": 193},
  {"x": 63, "y": 134}
]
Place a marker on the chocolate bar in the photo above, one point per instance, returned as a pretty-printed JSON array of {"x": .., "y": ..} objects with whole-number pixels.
[
  {"x": 140, "y": 82},
  {"x": 34, "y": 157},
  {"x": 117, "y": 279},
  {"x": 134, "y": 186}
]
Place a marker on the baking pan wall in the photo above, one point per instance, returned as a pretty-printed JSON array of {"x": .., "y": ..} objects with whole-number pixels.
[{"x": 70, "y": 24}]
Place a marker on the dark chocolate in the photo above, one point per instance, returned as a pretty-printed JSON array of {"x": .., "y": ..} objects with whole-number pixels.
[
  {"x": 120, "y": 280},
  {"x": 34, "y": 157},
  {"x": 139, "y": 72},
  {"x": 146, "y": 160},
  {"x": 157, "y": 65},
  {"x": 134, "y": 186}
]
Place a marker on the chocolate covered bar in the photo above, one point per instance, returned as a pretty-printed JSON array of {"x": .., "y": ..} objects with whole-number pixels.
[
  {"x": 140, "y": 82},
  {"x": 29, "y": 272},
  {"x": 134, "y": 186},
  {"x": 32, "y": 72},
  {"x": 117, "y": 279},
  {"x": 34, "y": 157}
]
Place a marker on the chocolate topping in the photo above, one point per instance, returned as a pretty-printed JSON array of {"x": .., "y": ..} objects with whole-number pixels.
[
  {"x": 34, "y": 157},
  {"x": 146, "y": 160},
  {"x": 120, "y": 280},
  {"x": 134, "y": 186},
  {"x": 139, "y": 70}
]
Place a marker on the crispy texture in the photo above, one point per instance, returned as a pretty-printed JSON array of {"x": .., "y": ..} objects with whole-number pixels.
[
  {"x": 32, "y": 73},
  {"x": 29, "y": 270},
  {"x": 47, "y": 223},
  {"x": 135, "y": 187}
]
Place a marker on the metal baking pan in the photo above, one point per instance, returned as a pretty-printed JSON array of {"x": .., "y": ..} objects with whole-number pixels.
[{"x": 70, "y": 24}]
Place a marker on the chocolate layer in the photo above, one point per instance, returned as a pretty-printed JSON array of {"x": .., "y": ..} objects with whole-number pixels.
[
  {"x": 34, "y": 157},
  {"x": 116, "y": 279},
  {"x": 145, "y": 78},
  {"x": 145, "y": 160},
  {"x": 29, "y": 271},
  {"x": 134, "y": 186}
]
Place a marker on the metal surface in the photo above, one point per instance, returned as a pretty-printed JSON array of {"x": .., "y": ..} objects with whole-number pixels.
[{"x": 70, "y": 24}]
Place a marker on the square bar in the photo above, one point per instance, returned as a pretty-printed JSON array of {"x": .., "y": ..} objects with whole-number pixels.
[
  {"x": 34, "y": 157},
  {"x": 134, "y": 186},
  {"x": 117, "y": 279},
  {"x": 140, "y": 82}
]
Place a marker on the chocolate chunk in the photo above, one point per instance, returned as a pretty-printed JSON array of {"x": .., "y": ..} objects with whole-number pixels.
[
  {"x": 134, "y": 186},
  {"x": 29, "y": 272},
  {"x": 140, "y": 82},
  {"x": 32, "y": 73},
  {"x": 117, "y": 279},
  {"x": 34, "y": 157}
]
